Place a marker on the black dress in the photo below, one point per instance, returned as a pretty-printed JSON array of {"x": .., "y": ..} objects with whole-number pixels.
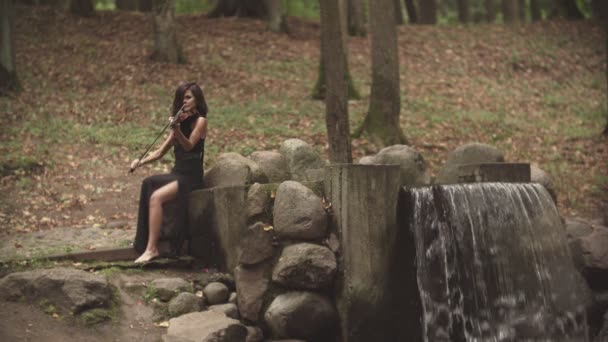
[{"x": 188, "y": 172}]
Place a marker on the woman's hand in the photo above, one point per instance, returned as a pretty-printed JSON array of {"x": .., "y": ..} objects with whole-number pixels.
[{"x": 134, "y": 165}]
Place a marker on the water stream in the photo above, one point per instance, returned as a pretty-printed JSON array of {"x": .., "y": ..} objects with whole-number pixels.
[{"x": 492, "y": 264}]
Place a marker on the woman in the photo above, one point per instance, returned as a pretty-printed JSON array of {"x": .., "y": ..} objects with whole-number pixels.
[{"x": 188, "y": 140}]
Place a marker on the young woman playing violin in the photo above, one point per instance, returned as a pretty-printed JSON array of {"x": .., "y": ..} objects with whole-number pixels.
[{"x": 187, "y": 137}]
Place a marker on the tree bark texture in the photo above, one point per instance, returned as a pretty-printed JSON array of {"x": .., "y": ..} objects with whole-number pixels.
[
  {"x": 166, "y": 46},
  {"x": 239, "y": 8},
  {"x": 356, "y": 18},
  {"x": 398, "y": 12},
  {"x": 604, "y": 15},
  {"x": 509, "y": 11},
  {"x": 410, "y": 8},
  {"x": 521, "y": 9},
  {"x": 490, "y": 6},
  {"x": 427, "y": 12},
  {"x": 276, "y": 16},
  {"x": 8, "y": 73},
  {"x": 82, "y": 8},
  {"x": 464, "y": 11},
  {"x": 135, "y": 5},
  {"x": 320, "y": 89},
  {"x": 569, "y": 10},
  {"x": 535, "y": 12},
  {"x": 336, "y": 100},
  {"x": 382, "y": 120}
]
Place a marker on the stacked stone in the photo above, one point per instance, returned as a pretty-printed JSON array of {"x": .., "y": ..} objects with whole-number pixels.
[{"x": 285, "y": 269}]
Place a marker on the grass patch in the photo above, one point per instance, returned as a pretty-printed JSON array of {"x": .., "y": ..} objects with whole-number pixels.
[{"x": 99, "y": 315}]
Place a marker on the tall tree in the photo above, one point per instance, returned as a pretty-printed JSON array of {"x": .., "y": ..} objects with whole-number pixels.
[
  {"x": 382, "y": 119},
  {"x": 336, "y": 101},
  {"x": 535, "y": 10},
  {"x": 568, "y": 9},
  {"x": 490, "y": 6},
  {"x": 8, "y": 72},
  {"x": 166, "y": 46},
  {"x": 521, "y": 8},
  {"x": 464, "y": 11},
  {"x": 410, "y": 8},
  {"x": 276, "y": 16},
  {"x": 509, "y": 11},
  {"x": 135, "y": 5},
  {"x": 83, "y": 8},
  {"x": 427, "y": 12},
  {"x": 320, "y": 90},
  {"x": 356, "y": 18},
  {"x": 239, "y": 8},
  {"x": 398, "y": 12}
]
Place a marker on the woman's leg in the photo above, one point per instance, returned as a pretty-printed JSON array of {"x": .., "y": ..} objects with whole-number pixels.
[{"x": 158, "y": 197}]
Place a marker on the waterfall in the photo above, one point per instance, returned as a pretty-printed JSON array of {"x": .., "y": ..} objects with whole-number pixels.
[{"x": 491, "y": 264}]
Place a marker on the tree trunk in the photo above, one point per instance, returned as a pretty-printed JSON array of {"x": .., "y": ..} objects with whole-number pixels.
[
  {"x": 276, "y": 16},
  {"x": 600, "y": 9},
  {"x": 604, "y": 16},
  {"x": 490, "y": 10},
  {"x": 320, "y": 90},
  {"x": 398, "y": 12},
  {"x": 125, "y": 5},
  {"x": 521, "y": 8},
  {"x": 427, "y": 11},
  {"x": 166, "y": 46},
  {"x": 410, "y": 8},
  {"x": 382, "y": 120},
  {"x": 356, "y": 18},
  {"x": 336, "y": 102},
  {"x": 569, "y": 10},
  {"x": 535, "y": 10},
  {"x": 82, "y": 8},
  {"x": 8, "y": 73},
  {"x": 464, "y": 11},
  {"x": 239, "y": 8},
  {"x": 509, "y": 11}
]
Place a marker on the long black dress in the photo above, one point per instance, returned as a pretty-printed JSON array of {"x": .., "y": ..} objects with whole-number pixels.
[{"x": 188, "y": 172}]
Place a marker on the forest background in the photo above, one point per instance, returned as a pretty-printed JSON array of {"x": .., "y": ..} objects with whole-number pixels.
[{"x": 88, "y": 98}]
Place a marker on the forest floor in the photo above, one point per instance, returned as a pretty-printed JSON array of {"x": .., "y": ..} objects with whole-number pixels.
[{"x": 92, "y": 101}]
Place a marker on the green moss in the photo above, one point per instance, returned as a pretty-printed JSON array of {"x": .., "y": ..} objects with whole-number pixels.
[{"x": 99, "y": 315}]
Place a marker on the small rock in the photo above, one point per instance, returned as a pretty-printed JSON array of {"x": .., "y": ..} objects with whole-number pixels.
[
  {"x": 216, "y": 293},
  {"x": 167, "y": 288},
  {"x": 183, "y": 303}
]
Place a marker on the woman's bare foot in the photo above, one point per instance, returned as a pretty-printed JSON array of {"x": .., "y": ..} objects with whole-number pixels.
[{"x": 147, "y": 256}]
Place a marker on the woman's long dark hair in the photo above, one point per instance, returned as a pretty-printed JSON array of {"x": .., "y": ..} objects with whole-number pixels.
[{"x": 197, "y": 92}]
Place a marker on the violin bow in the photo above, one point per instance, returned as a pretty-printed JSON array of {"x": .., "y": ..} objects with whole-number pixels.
[{"x": 171, "y": 122}]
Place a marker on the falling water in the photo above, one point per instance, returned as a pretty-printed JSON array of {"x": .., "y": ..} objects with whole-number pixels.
[{"x": 492, "y": 264}]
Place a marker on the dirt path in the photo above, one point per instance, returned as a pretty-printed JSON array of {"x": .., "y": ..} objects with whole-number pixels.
[{"x": 20, "y": 321}]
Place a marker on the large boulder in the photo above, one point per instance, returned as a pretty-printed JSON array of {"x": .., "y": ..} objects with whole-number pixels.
[
  {"x": 251, "y": 284},
  {"x": 588, "y": 242},
  {"x": 410, "y": 161},
  {"x": 298, "y": 213},
  {"x": 537, "y": 175},
  {"x": 305, "y": 266},
  {"x": 303, "y": 315},
  {"x": 258, "y": 202},
  {"x": 167, "y": 288},
  {"x": 207, "y": 326},
  {"x": 472, "y": 153},
  {"x": 69, "y": 290},
  {"x": 305, "y": 164},
  {"x": 256, "y": 245},
  {"x": 233, "y": 169},
  {"x": 273, "y": 165}
]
